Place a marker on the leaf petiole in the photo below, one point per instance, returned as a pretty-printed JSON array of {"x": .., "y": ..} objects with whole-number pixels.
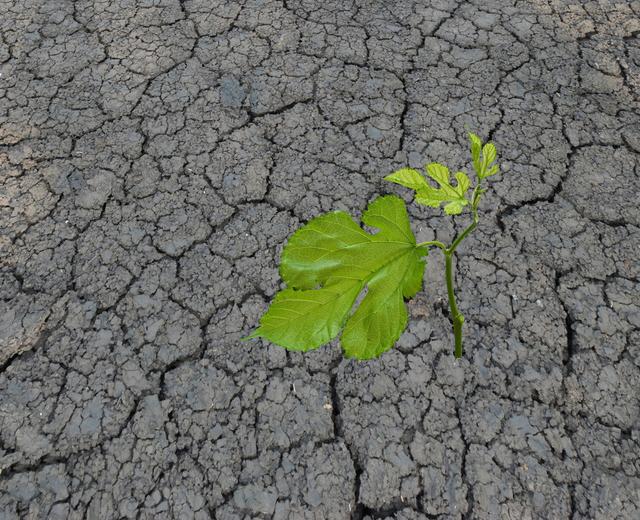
[{"x": 432, "y": 243}]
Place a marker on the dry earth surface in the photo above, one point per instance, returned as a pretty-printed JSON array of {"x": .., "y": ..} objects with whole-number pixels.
[{"x": 154, "y": 157}]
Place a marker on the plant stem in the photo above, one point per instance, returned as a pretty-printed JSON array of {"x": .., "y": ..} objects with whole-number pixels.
[
  {"x": 469, "y": 228},
  {"x": 456, "y": 317}
]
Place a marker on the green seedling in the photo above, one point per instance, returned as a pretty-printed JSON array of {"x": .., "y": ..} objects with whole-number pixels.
[{"x": 331, "y": 261}]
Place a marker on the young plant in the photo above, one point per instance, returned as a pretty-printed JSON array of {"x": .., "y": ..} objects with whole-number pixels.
[{"x": 330, "y": 261}]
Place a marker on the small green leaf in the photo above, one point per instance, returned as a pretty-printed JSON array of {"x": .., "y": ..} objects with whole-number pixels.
[
  {"x": 407, "y": 177},
  {"x": 489, "y": 153},
  {"x": 488, "y": 156},
  {"x": 463, "y": 182},
  {"x": 492, "y": 171},
  {"x": 476, "y": 148},
  {"x": 454, "y": 208},
  {"x": 327, "y": 263},
  {"x": 483, "y": 165},
  {"x": 454, "y": 195}
]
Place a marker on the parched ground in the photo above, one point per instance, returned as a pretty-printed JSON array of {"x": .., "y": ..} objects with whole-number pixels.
[{"x": 154, "y": 157}]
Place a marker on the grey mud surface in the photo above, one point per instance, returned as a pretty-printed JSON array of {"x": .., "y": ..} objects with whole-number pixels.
[{"x": 155, "y": 156}]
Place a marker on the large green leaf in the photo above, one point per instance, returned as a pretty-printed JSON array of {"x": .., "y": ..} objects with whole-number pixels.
[
  {"x": 304, "y": 320},
  {"x": 382, "y": 316},
  {"x": 327, "y": 264}
]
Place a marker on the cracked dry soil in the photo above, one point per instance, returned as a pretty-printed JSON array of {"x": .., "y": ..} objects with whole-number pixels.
[{"x": 156, "y": 154}]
